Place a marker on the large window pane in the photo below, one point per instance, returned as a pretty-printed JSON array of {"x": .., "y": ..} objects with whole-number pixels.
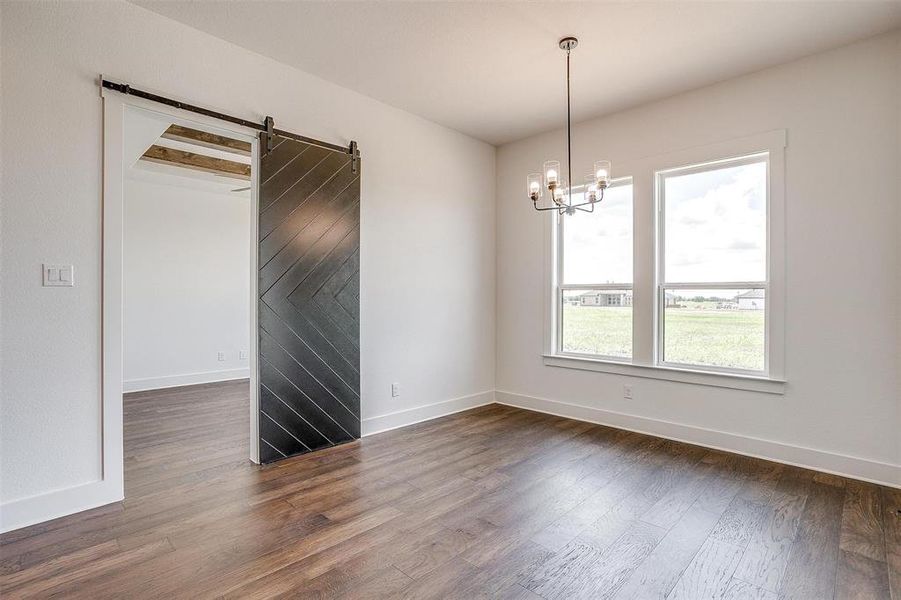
[
  {"x": 598, "y": 322},
  {"x": 716, "y": 224},
  {"x": 597, "y": 246},
  {"x": 717, "y": 328}
]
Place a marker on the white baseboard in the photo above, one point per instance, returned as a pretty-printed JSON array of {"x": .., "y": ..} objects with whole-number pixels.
[
  {"x": 809, "y": 458},
  {"x": 59, "y": 503},
  {"x": 156, "y": 383},
  {"x": 409, "y": 416}
]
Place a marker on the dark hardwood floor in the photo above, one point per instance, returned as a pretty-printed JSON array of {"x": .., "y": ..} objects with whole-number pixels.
[{"x": 495, "y": 502}]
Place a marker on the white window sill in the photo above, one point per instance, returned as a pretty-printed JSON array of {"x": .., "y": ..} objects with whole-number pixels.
[{"x": 734, "y": 381}]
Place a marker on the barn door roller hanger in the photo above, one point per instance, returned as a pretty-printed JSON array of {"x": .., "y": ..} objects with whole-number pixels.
[{"x": 267, "y": 127}]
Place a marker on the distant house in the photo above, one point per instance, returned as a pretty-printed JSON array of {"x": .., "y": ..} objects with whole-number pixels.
[
  {"x": 614, "y": 298},
  {"x": 606, "y": 298},
  {"x": 751, "y": 300}
]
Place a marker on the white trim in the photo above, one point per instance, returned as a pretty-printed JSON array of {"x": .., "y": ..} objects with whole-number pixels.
[
  {"x": 773, "y": 144},
  {"x": 596, "y": 286},
  {"x": 730, "y": 379},
  {"x": 552, "y": 266},
  {"x": 418, "y": 414},
  {"x": 809, "y": 458},
  {"x": 111, "y": 488},
  {"x": 58, "y": 503},
  {"x": 254, "y": 368},
  {"x": 717, "y": 285},
  {"x": 168, "y": 381}
]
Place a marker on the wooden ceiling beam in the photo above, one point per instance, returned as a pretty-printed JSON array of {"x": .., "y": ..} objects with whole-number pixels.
[
  {"x": 197, "y": 162},
  {"x": 207, "y": 140}
]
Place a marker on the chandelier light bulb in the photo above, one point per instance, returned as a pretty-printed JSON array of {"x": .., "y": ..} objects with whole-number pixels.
[
  {"x": 534, "y": 184},
  {"x": 560, "y": 192},
  {"x": 591, "y": 189},
  {"x": 552, "y": 174},
  {"x": 602, "y": 173}
]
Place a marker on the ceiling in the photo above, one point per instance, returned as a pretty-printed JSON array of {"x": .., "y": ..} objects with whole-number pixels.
[
  {"x": 493, "y": 70},
  {"x": 148, "y": 129}
]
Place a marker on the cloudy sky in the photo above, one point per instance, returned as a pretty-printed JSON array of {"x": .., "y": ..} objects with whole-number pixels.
[
  {"x": 599, "y": 244},
  {"x": 715, "y": 230}
]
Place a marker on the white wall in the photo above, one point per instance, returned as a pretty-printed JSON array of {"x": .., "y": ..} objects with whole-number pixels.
[
  {"x": 187, "y": 282},
  {"x": 841, "y": 110},
  {"x": 427, "y": 228}
]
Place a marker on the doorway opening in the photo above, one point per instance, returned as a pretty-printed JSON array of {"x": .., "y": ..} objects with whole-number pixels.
[{"x": 187, "y": 297}]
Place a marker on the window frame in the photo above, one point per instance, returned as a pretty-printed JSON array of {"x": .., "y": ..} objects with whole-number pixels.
[
  {"x": 663, "y": 285},
  {"x": 562, "y": 287},
  {"x": 646, "y": 251}
]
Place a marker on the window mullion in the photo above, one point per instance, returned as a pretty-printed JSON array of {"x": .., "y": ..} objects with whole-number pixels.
[
  {"x": 717, "y": 285},
  {"x": 596, "y": 286}
]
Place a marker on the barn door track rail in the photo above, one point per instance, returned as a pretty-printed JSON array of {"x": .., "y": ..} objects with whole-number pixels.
[{"x": 267, "y": 126}]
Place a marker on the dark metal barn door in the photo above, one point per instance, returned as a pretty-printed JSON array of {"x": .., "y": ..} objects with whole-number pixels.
[{"x": 309, "y": 305}]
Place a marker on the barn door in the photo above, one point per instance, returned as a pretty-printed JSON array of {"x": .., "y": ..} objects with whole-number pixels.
[{"x": 309, "y": 304}]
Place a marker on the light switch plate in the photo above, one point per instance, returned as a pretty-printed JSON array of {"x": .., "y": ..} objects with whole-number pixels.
[{"x": 59, "y": 275}]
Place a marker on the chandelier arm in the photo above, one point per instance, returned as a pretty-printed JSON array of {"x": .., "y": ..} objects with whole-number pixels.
[
  {"x": 544, "y": 208},
  {"x": 582, "y": 204},
  {"x": 576, "y": 207},
  {"x": 589, "y": 202}
]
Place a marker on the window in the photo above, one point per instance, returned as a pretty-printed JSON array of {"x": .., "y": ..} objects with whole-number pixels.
[
  {"x": 713, "y": 265},
  {"x": 595, "y": 294},
  {"x": 679, "y": 272}
]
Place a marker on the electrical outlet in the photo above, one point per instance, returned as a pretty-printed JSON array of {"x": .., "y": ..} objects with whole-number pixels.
[
  {"x": 395, "y": 390},
  {"x": 242, "y": 354},
  {"x": 220, "y": 356},
  {"x": 627, "y": 391}
]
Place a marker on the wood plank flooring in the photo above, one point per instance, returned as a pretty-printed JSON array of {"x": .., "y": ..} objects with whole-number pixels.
[{"x": 494, "y": 502}]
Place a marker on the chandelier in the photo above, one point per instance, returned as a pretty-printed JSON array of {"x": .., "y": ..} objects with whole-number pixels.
[{"x": 558, "y": 188}]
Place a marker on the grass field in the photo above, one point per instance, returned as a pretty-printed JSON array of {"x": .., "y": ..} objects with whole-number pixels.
[{"x": 697, "y": 334}]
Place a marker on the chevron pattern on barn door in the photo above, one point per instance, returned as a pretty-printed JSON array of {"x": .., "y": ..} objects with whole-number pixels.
[{"x": 309, "y": 299}]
